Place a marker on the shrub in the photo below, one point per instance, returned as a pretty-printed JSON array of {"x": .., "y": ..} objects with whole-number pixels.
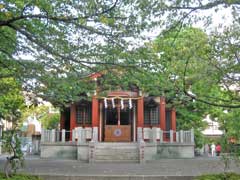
[{"x": 20, "y": 177}]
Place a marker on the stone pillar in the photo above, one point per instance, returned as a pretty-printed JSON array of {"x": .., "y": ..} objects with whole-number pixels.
[
  {"x": 57, "y": 138},
  {"x": 154, "y": 134},
  {"x": 192, "y": 135},
  {"x": 158, "y": 134},
  {"x": 181, "y": 136},
  {"x": 79, "y": 135},
  {"x": 171, "y": 136},
  {"x": 73, "y": 134},
  {"x": 146, "y": 133},
  {"x": 95, "y": 134},
  {"x": 48, "y": 135},
  {"x": 53, "y": 133},
  {"x": 139, "y": 134},
  {"x": 63, "y": 135},
  {"x": 161, "y": 136},
  {"x": 177, "y": 136},
  {"x": 43, "y": 135},
  {"x": 83, "y": 135},
  {"x": 91, "y": 152},
  {"x": 89, "y": 133},
  {"x": 142, "y": 152},
  {"x": 72, "y": 120}
]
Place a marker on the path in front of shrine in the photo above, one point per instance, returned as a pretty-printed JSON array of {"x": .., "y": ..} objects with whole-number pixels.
[{"x": 167, "y": 169}]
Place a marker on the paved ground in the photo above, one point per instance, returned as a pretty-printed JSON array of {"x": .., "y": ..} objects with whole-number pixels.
[{"x": 164, "y": 167}]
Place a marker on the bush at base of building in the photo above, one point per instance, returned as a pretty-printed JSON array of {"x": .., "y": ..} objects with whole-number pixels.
[
  {"x": 20, "y": 177},
  {"x": 227, "y": 176}
]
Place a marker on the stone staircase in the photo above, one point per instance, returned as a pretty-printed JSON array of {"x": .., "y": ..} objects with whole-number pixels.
[{"x": 116, "y": 152}]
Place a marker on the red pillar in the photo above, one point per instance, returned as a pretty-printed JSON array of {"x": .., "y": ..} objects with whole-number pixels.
[
  {"x": 72, "y": 119},
  {"x": 95, "y": 113},
  {"x": 140, "y": 112},
  {"x": 173, "y": 122},
  {"x": 140, "y": 115},
  {"x": 163, "y": 116},
  {"x": 62, "y": 120}
]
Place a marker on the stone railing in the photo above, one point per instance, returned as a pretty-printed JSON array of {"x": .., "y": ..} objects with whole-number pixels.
[
  {"x": 157, "y": 135},
  {"x": 83, "y": 135},
  {"x": 79, "y": 134}
]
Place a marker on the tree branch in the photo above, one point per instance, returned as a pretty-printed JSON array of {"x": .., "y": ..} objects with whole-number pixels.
[
  {"x": 206, "y": 6},
  {"x": 202, "y": 100},
  {"x": 55, "y": 18}
]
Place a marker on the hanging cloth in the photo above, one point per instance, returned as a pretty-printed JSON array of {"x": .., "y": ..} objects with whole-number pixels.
[
  {"x": 130, "y": 103},
  {"x": 122, "y": 104},
  {"x": 105, "y": 102},
  {"x": 113, "y": 103}
]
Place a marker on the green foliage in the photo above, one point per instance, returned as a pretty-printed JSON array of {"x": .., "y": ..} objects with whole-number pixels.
[
  {"x": 11, "y": 97},
  {"x": 228, "y": 176},
  {"x": 12, "y": 145},
  {"x": 20, "y": 177},
  {"x": 230, "y": 123},
  {"x": 51, "y": 121},
  {"x": 41, "y": 112},
  {"x": 64, "y": 41}
]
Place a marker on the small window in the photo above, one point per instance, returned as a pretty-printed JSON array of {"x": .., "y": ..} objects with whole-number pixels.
[
  {"x": 151, "y": 115},
  {"x": 83, "y": 114}
]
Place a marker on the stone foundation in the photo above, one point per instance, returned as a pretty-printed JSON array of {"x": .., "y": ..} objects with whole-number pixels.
[
  {"x": 58, "y": 151},
  {"x": 175, "y": 150},
  {"x": 115, "y": 152}
]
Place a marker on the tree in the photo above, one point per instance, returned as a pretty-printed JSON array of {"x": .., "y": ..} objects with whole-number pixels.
[
  {"x": 11, "y": 98},
  {"x": 69, "y": 40},
  {"x": 66, "y": 39},
  {"x": 42, "y": 113}
]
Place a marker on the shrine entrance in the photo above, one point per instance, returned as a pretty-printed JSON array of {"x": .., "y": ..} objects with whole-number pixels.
[{"x": 119, "y": 121}]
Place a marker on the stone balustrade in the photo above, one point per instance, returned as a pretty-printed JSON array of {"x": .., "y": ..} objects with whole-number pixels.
[
  {"x": 157, "y": 135},
  {"x": 79, "y": 134},
  {"x": 153, "y": 135}
]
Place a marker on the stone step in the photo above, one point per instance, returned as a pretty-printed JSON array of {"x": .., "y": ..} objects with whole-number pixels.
[
  {"x": 114, "y": 152},
  {"x": 117, "y": 154},
  {"x": 116, "y": 144},
  {"x": 117, "y": 158}
]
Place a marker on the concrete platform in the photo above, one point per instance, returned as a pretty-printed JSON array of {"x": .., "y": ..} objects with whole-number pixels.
[{"x": 167, "y": 169}]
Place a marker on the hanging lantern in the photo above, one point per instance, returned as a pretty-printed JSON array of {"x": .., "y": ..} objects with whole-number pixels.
[
  {"x": 105, "y": 102},
  {"x": 113, "y": 103}
]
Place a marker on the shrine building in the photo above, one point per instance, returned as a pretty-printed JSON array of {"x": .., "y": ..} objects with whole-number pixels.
[{"x": 121, "y": 118}]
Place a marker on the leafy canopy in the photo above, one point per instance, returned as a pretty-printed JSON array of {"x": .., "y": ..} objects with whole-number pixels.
[{"x": 58, "y": 43}]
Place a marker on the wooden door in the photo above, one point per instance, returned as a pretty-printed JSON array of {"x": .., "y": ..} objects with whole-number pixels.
[{"x": 117, "y": 133}]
